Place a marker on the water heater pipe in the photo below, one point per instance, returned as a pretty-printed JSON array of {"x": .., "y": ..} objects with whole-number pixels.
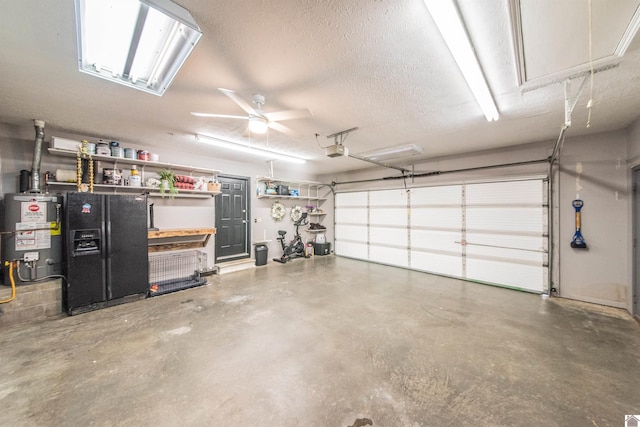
[{"x": 37, "y": 156}]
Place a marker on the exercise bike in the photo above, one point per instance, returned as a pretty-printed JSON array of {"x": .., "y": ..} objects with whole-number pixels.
[{"x": 295, "y": 248}]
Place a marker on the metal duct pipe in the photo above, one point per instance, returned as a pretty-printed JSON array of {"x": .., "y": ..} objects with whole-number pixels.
[{"x": 37, "y": 156}]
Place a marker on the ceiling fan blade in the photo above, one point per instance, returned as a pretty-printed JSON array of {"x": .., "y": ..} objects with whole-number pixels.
[
  {"x": 278, "y": 116},
  {"x": 224, "y": 116},
  {"x": 241, "y": 102},
  {"x": 281, "y": 128}
]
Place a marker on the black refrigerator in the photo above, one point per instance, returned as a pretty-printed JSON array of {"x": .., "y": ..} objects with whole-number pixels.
[{"x": 106, "y": 250}]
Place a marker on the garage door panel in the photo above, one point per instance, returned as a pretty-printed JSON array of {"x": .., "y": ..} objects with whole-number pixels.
[
  {"x": 357, "y": 199},
  {"x": 388, "y": 236},
  {"x": 527, "y": 242},
  {"x": 528, "y": 277},
  {"x": 449, "y": 265},
  {"x": 436, "y": 218},
  {"x": 436, "y": 240},
  {"x": 501, "y": 193},
  {"x": 357, "y": 233},
  {"x": 352, "y": 216},
  {"x": 388, "y": 198},
  {"x": 351, "y": 250},
  {"x": 437, "y": 196},
  {"x": 512, "y": 219},
  {"x": 391, "y": 256},
  {"x": 388, "y": 216},
  {"x": 507, "y": 254}
]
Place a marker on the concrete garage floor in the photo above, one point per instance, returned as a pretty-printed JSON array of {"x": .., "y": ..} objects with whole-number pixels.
[{"x": 326, "y": 342}]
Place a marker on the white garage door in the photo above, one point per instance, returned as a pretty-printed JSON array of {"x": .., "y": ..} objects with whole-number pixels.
[{"x": 490, "y": 232}]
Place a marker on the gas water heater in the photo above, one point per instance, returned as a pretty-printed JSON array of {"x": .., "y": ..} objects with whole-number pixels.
[
  {"x": 32, "y": 235},
  {"x": 32, "y": 227}
]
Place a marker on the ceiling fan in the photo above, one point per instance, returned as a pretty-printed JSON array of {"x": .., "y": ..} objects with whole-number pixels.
[{"x": 259, "y": 121}]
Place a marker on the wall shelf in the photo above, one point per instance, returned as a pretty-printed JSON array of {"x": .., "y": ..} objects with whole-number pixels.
[
  {"x": 277, "y": 196},
  {"x": 151, "y": 191},
  {"x": 126, "y": 161},
  {"x": 179, "y": 238},
  {"x": 307, "y": 190},
  {"x": 308, "y": 194}
]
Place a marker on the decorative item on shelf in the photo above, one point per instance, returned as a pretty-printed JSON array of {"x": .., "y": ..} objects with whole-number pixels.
[
  {"x": 83, "y": 158},
  {"x": 283, "y": 190},
  {"x": 130, "y": 153},
  {"x": 116, "y": 150},
  {"x": 184, "y": 182},
  {"x": 213, "y": 186},
  {"x": 200, "y": 184},
  {"x": 135, "y": 180},
  {"x": 277, "y": 211},
  {"x": 270, "y": 188},
  {"x": 112, "y": 176},
  {"x": 103, "y": 149},
  {"x": 293, "y": 192},
  {"x": 167, "y": 183},
  {"x": 296, "y": 213}
]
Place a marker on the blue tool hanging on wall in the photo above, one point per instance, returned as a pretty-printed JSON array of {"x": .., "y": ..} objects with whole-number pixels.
[{"x": 578, "y": 241}]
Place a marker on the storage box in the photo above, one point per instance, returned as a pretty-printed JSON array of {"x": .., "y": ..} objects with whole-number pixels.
[
  {"x": 283, "y": 190},
  {"x": 64, "y": 144},
  {"x": 322, "y": 248}
]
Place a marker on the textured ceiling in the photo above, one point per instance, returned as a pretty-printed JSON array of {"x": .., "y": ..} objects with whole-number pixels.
[{"x": 379, "y": 65}]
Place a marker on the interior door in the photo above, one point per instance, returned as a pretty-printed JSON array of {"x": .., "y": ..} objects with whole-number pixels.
[{"x": 232, "y": 214}]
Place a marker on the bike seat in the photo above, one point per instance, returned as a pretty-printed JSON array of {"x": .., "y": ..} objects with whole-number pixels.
[{"x": 281, "y": 233}]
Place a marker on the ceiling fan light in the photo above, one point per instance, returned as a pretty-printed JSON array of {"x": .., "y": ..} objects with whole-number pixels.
[{"x": 258, "y": 125}]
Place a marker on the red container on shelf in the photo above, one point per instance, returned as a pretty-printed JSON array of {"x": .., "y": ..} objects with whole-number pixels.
[{"x": 144, "y": 155}]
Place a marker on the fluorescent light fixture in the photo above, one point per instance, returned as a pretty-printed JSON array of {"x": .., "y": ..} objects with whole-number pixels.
[
  {"x": 258, "y": 125},
  {"x": 392, "y": 152},
  {"x": 138, "y": 43},
  {"x": 629, "y": 34},
  {"x": 245, "y": 148},
  {"x": 448, "y": 20}
]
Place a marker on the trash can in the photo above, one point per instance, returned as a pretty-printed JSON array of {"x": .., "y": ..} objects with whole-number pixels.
[{"x": 262, "y": 251}]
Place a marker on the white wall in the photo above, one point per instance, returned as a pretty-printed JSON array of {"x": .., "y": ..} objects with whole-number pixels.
[{"x": 594, "y": 168}]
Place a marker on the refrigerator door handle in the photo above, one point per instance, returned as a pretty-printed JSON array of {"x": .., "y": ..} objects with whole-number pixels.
[
  {"x": 108, "y": 253},
  {"x": 108, "y": 261}
]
